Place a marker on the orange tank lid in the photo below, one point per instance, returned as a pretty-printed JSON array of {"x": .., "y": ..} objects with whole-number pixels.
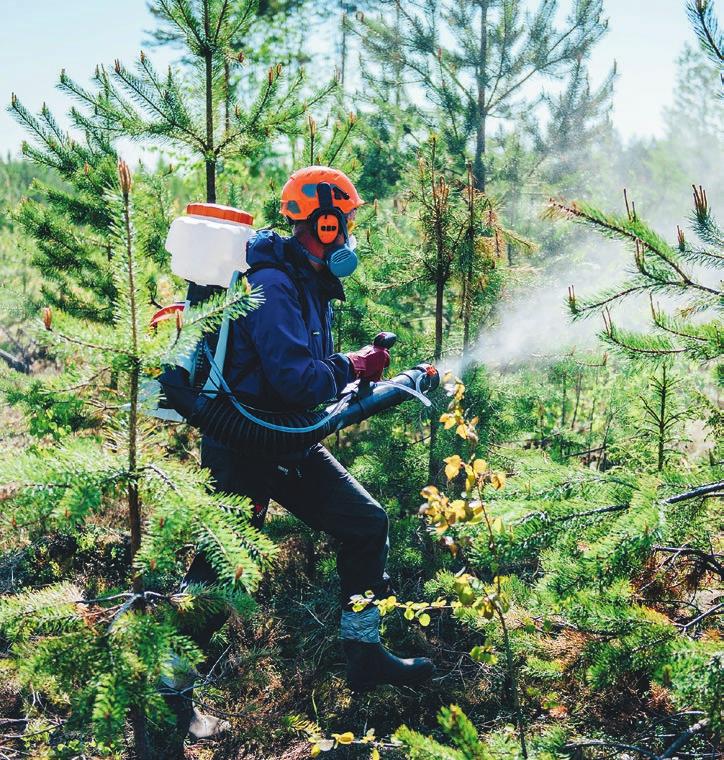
[{"x": 217, "y": 211}]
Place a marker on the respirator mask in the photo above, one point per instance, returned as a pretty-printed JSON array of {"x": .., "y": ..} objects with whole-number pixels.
[{"x": 327, "y": 223}]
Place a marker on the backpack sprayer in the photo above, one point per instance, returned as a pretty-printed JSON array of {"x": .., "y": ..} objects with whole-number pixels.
[{"x": 195, "y": 389}]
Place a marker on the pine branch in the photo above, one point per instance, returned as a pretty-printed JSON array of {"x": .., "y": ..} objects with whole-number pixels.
[
  {"x": 701, "y": 13},
  {"x": 207, "y": 316},
  {"x": 138, "y": 89},
  {"x": 626, "y": 229},
  {"x": 709, "y": 559}
]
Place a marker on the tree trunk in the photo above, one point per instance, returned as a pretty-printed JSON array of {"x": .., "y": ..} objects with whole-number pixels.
[
  {"x": 591, "y": 419},
  {"x": 137, "y": 715},
  {"x": 513, "y": 682},
  {"x": 512, "y": 219},
  {"x": 227, "y": 97},
  {"x": 662, "y": 421},
  {"x": 398, "y": 54},
  {"x": 343, "y": 52},
  {"x": 470, "y": 270},
  {"x": 482, "y": 72},
  {"x": 210, "y": 158},
  {"x": 209, "y": 84},
  {"x": 439, "y": 305},
  {"x": 433, "y": 465},
  {"x": 602, "y": 464},
  {"x": 579, "y": 386},
  {"x": 134, "y": 501},
  {"x": 141, "y": 744}
]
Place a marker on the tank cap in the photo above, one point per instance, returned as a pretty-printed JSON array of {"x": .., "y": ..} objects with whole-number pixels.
[{"x": 217, "y": 211}]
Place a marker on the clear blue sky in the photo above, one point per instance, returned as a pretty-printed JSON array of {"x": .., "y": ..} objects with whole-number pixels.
[{"x": 40, "y": 37}]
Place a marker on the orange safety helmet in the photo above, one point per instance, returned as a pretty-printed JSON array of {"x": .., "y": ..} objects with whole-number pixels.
[{"x": 300, "y": 198}]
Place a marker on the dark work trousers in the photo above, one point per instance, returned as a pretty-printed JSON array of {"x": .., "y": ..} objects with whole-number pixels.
[{"x": 321, "y": 493}]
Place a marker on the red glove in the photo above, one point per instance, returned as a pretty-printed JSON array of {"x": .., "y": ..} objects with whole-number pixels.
[{"x": 369, "y": 362}]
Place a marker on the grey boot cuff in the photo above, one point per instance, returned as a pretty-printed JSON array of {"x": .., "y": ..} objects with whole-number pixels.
[
  {"x": 182, "y": 674},
  {"x": 361, "y": 626}
]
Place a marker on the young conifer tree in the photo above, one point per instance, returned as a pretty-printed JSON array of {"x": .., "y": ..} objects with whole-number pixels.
[
  {"x": 476, "y": 59},
  {"x": 105, "y": 656},
  {"x": 69, "y": 221},
  {"x": 195, "y": 108},
  {"x": 461, "y": 240}
]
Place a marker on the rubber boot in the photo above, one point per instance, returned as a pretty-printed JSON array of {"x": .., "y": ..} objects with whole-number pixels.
[{"x": 370, "y": 665}]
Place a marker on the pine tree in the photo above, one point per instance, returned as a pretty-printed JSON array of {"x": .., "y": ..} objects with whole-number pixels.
[
  {"x": 196, "y": 109},
  {"x": 462, "y": 240},
  {"x": 664, "y": 413},
  {"x": 473, "y": 60},
  {"x": 104, "y": 656},
  {"x": 69, "y": 221}
]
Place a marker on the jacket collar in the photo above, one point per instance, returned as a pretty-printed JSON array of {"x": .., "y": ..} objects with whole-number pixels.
[{"x": 329, "y": 285}]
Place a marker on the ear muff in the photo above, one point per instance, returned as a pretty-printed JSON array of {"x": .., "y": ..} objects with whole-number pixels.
[
  {"x": 327, "y": 228},
  {"x": 327, "y": 221}
]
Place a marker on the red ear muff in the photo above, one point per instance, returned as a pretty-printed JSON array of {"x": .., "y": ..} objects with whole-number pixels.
[{"x": 327, "y": 228}]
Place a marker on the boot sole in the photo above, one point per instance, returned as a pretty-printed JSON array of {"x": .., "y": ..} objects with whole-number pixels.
[{"x": 371, "y": 686}]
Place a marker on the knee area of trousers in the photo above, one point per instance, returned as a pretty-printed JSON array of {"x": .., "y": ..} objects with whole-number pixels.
[{"x": 379, "y": 522}]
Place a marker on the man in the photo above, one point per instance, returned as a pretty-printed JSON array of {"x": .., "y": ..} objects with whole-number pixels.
[{"x": 281, "y": 357}]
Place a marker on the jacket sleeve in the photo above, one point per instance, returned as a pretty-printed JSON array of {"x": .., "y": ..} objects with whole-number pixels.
[{"x": 279, "y": 334}]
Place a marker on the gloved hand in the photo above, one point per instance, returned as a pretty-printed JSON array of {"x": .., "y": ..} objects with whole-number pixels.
[{"x": 369, "y": 362}]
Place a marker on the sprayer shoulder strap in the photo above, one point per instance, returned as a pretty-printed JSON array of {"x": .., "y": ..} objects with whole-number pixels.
[
  {"x": 254, "y": 361},
  {"x": 303, "y": 305}
]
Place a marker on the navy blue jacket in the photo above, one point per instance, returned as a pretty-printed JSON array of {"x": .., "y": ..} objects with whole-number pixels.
[{"x": 276, "y": 360}]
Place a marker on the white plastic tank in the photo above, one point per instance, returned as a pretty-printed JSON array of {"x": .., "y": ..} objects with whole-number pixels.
[{"x": 208, "y": 244}]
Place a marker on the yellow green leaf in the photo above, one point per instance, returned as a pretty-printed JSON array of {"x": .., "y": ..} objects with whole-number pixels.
[
  {"x": 497, "y": 480},
  {"x": 448, "y": 420},
  {"x": 457, "y": 508},
  {"x": 346, "y": 738},
  {"x": 480, "y": 466},
  {"x": 452, "y": 466},
  {"x": 483, "y": 654},
  {"x": 424, "y": 619}
]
